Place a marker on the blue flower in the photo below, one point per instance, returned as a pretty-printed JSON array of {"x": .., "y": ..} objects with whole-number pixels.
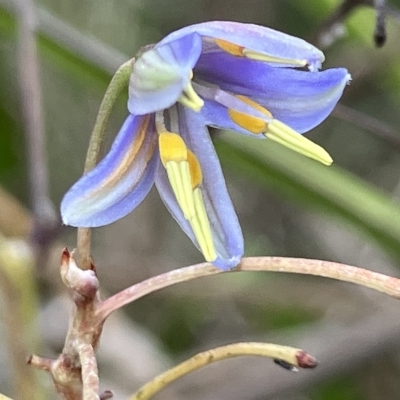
[{"x": 229, "y": 75}]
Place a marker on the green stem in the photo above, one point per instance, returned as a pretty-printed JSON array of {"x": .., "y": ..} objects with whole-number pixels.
[
  {"x": 115, "y": 88},
  {"x": 292, "y": 356}
]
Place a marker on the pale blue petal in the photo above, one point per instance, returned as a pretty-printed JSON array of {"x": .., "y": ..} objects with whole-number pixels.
[
  {"x": 119, "y": 182},
  {"x": 257, "y": 38},
  {"x": 300, "y": 99},
  {"x": 160, "y": 74},
  {"x": 227, "y": 234}
]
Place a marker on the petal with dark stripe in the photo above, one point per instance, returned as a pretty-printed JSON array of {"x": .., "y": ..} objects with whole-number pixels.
[{"x": 119, "y": 182}]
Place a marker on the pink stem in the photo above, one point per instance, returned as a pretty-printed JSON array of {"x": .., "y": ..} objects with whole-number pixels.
[{"x": 373, "y": 280}]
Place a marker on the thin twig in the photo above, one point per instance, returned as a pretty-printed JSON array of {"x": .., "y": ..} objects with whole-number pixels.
[
  {"x": 117, "y": 85},
  {"x": 41, "y": 363},
  {"x": 84, "y": 46},
  {"x": 373, "y": 280},
  {"x": 380, "y": 25},
  {"x": 368, "y": 123},
  {"x": 287, "y": 356},
  {"x": 328, "y": 31},
  {"x": 115, "y": 88},
  {"x": 90, "y": 375},
  {"x": 45, "y": 219}
]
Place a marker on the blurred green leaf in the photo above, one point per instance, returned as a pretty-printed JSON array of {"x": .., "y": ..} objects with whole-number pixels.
[
  {"x": 328, "y": 189},
  {"x": 264, "y": 318},
  {"x": 344, "y": 388}
]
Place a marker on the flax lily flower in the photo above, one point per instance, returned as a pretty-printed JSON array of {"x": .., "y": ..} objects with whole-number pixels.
[{"x": 230, "y": 75}]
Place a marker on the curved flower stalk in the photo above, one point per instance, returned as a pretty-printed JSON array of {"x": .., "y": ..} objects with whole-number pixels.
[{"x": 235, "y": 76}]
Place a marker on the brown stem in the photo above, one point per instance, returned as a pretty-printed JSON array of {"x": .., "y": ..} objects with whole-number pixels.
[
  {"x": 373, "y": 280},
  {"x": 90, "y": 376},
  {"x": 74, "y": 372}
]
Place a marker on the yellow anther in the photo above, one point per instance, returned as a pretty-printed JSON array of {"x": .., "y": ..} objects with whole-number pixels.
[
  {"x": 185, "y": 176},
  {"x": 241, "y": 51},
  {"x": 254, "y": 55},
  {"x": 172, "y": 147},
  {"x": 283, "y": 134},
  {"x": 229, "y": 47},
  {"x": 195, "y": 170},
  {"x": 189, "y": 98},
  {"x": 252, "y": 124},
  {"x": 174, "y": 156},
  {"x": 201, "y": 228}
]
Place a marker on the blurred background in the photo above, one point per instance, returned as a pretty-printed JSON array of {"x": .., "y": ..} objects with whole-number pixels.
[{"x": 287, "y": 206}]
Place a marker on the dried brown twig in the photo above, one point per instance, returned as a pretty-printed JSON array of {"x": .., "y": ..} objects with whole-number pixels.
[{"x": 74, "y": 372}]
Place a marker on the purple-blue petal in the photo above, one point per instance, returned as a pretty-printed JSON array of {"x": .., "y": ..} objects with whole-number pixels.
[
  {"x": 257, "y": 38},
  {"x": 160, "y": 74},
  {"x": 298, "y": 98},
  {"x": 226, "y": 231},
  {"x": 119, "y": 182}
]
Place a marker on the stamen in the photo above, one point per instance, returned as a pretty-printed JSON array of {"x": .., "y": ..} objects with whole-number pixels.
[
  {"x": 201, "y": 228},
  {"x": 278, "y": 131},
  {"x": 241, "y": 51},
  {"x": 189, "y": 98},
  {"x": 172, "y": 147},
  {"x": 254, "y": 55},
  {"x": 195, "y": 170},
  {"x": 283, "y": 134},
  {"x": 174, "y": 156},
  {"x": 229, "y": 47},
  {"x": 185, "y": 176},
  {"x": 253, "y": 124}
]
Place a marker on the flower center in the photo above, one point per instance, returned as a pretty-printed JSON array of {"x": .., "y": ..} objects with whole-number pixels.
[{"x": 278, "y": 131}]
